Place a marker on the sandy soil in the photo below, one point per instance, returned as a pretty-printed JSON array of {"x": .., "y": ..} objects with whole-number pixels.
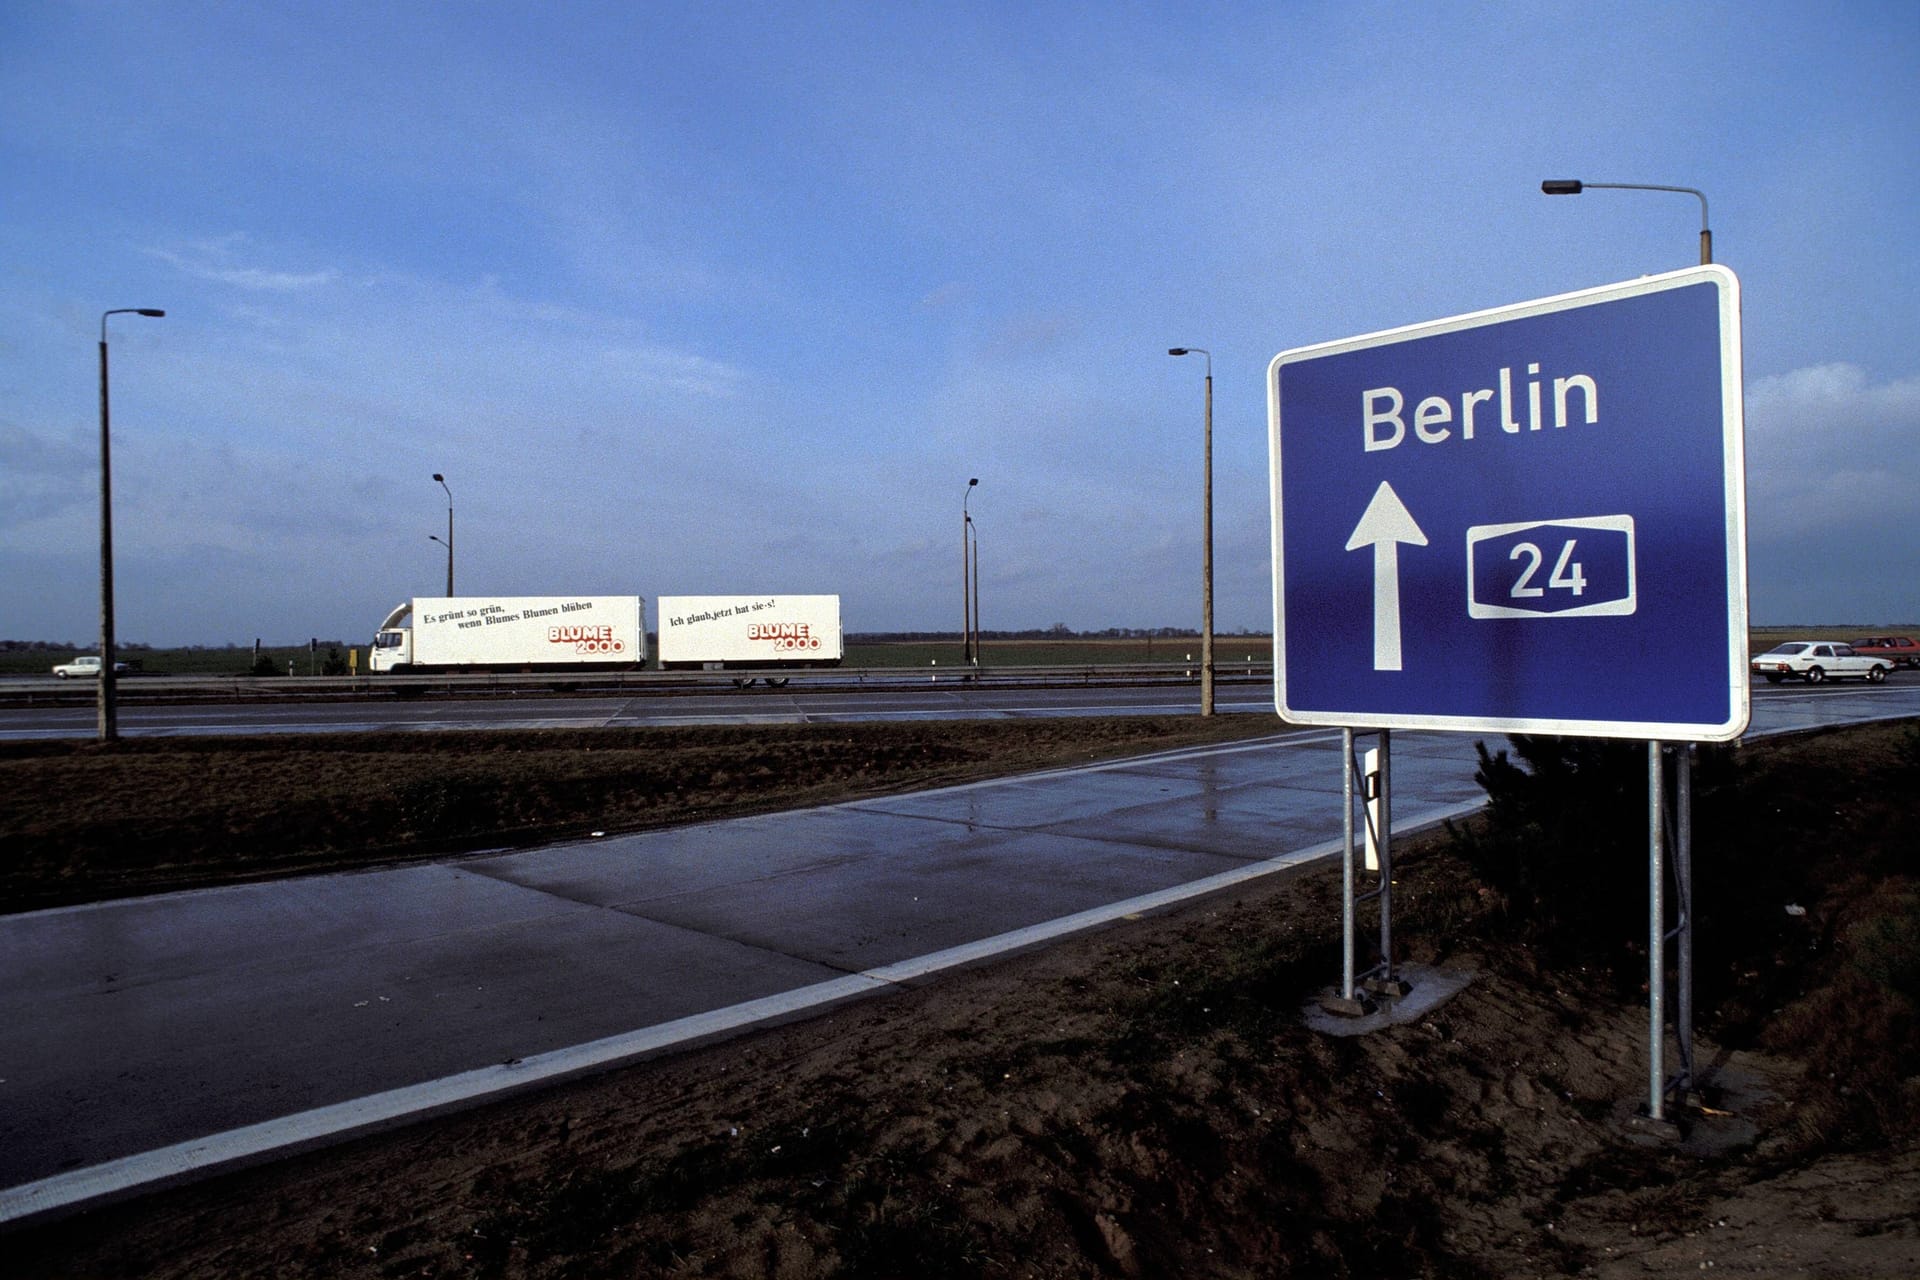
[{"x": 1152, "y": 1100}]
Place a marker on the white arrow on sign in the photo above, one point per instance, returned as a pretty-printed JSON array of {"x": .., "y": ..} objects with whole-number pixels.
[{"x": 1386, "y": 525}]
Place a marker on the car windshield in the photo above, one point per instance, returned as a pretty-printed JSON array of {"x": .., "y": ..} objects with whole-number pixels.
[{"x": 1787, "y": 650}]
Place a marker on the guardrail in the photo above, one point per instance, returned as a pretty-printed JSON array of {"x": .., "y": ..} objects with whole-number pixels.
[{"x": 19, "y": 691}]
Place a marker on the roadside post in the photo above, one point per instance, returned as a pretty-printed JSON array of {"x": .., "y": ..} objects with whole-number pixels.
[{"x": 1530, "y": 519}]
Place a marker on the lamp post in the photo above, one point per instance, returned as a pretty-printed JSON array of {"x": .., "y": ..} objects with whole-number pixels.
[
  {"x": 448, "y": 542},
  {"x": 976, "y": 592},
  {"x": 1662, "y": 823},
  {"x": 1206, "y": 544},
  {"x": 966, "y": 588},
  {"x": 1573, "y": 187},
  {"x": 109, "y": 725}
]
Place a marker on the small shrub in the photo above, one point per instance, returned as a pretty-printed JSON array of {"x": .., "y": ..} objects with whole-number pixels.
[
  {"x": 1564, "y": 841},
  {"x": 1886, "y": 949}
]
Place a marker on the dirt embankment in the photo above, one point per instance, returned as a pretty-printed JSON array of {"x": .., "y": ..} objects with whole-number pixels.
[{"x": 1148, "y": 1101}]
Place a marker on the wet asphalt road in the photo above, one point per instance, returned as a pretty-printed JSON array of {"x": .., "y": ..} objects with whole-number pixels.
[{"x": 936, "y": 700}]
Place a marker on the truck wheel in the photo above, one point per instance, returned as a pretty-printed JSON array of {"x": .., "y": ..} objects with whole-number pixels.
[
  {"x": 1815, "y": 675},
  {"x": 772, "y": 683},
  {"x": 1876, "y": 674}
]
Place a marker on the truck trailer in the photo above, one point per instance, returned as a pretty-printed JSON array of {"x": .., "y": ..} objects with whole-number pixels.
[
  {"x": 512, "y": 633},
  {"x": 764, "y": 633}
]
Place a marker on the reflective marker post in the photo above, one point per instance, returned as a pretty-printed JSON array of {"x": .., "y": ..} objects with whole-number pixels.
[{"x": 1375, "y": 795}]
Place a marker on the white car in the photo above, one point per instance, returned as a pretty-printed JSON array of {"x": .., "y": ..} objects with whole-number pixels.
[
  {"x": 1817, "y": 660},
  {"x": 85, "y": 666}
]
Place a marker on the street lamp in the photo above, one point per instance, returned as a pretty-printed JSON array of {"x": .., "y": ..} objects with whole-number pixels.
[
  {"x": 1573, "y": 187},
  {"x": 448, "y": 541},
  {"x": 109, "y": 726},
  {"x": 1206, "y": 552},
  {"x": 966, "y": 589},
  {"x": 1682, "y": 816},
  {"x": 976, "y": 592}
]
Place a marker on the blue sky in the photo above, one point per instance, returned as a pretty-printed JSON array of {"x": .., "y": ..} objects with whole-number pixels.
[{"x": 716, "y": 298}]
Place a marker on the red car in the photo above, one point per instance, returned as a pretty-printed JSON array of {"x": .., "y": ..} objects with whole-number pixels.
[{"x": 1901, "y": 651}]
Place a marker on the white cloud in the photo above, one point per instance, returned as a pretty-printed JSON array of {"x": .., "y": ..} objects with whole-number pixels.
[
  {"x": 1832, "y": 478},
  {"x": 1828, "y": 448},
  {"x": 214, "y": 260}
]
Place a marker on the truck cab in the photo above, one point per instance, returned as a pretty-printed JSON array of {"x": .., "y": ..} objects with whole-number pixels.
[{"x": 392, "y": 648}]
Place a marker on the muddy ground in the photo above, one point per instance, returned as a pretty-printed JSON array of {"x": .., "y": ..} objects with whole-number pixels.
[{"x": 1150, "y": 1100}]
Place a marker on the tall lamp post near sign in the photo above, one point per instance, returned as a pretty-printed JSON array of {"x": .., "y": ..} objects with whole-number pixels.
[
  {"x": 1661, "y": 823},
  {"x": 109, "y": 726},
  {"x": 967, "y": 650},
  {"x": 448, "y": 541},
  {"x": 1573, "y": 187},
  {"x": 1206, "y": 542}
]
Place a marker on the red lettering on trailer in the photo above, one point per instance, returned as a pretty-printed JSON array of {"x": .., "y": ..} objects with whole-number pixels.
[
  {"x": 778, "y": 631},
  {"x": 587, "y": 639},
  {"x": 579, "y": 634}
]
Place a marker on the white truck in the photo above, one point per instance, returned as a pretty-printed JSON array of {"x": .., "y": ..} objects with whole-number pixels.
[
  {"x": 765, "y": 633},
  {"x": 512, "y": 633}
]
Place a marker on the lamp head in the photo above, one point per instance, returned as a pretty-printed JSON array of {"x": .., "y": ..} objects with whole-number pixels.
[
  {"x": 1561, "y": 187},
  {"x": 1176, "y": 351}
]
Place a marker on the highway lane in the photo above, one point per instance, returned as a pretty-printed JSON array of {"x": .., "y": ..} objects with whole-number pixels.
[
  {"x": 771, "y": 706},
  {"x": 949, "y": 700},
  {"x": 152, "y": 1038}
]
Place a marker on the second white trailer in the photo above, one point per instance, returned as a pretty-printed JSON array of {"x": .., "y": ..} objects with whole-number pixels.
[{"x": 748, "y": 633}]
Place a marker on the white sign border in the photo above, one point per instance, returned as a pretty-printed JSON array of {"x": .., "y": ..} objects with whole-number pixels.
[{"x": 1733, "y": 427}]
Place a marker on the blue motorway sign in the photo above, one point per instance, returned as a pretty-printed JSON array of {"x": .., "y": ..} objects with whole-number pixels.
[{"x": 1530, "y": 519}]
